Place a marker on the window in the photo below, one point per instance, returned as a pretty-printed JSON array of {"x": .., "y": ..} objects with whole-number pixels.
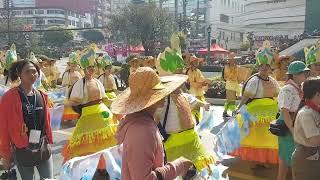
[
  {"x": 28, "y": 12},
  {"x": 78, "y": 24},
  {"x": 70, "y": 23},
  {"x": 29, "y": 21},
  {"x": 50, "y": 11},
  {"x": 56, "y": 21},
  {"x": 39, "y": 21},
  {"x": 242, "y": 8},
  {"x": 73, "y": 23},
  {"x": 223, "y": 34},
  {"x": 50, "y": 21},
  {"x": 232, "y": 4},
  {"x": 59, "y": 12},
  {"x": 228, "y": 3},
  {"x": 224, "y": 18},
  {"x": 39, "y": 11},
  {"x": 241, "y": 37},
  {"x": 17, "y": 13}
]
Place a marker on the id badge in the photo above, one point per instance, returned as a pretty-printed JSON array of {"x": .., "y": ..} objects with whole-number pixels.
[{"x": 34, "y": 136}]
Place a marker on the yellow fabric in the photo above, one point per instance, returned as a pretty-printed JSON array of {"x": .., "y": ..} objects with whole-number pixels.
[
  {"x": 259, "y": 136},
  {"x": 95, "y": 109},
  {"x": 231, "y": 73},
  {"x": 94, "y": 131},
  {"x": 111, "y": 96},
  {"x": 188, "y": 145},
  {"x": 233, "y": 86},
  {"x": 197, "y": 80}
]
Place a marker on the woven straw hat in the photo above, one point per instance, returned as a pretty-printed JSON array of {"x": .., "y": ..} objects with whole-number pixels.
[{"x": 145, "y": 89}]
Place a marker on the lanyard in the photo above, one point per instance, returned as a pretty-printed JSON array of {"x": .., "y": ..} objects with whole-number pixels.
[{"x": 31, "y": 108}]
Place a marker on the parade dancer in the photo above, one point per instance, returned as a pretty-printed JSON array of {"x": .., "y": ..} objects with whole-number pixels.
[
  {"x": 312, "y": 56},
  {"x": 96, "y": 127},
  {"x": 10, "y": 57},
  {"x": 50, "y": 70},
  {"x": 107, "y": 78},
  {"x": 258, "y": 95},
  {"x": 281, "y": 68},
  {"x": 231, "y": 75},
  {"x": 176, "y": 121},
  {"x": 71, "y": 76},
  {"x": 198, "y": 83}
]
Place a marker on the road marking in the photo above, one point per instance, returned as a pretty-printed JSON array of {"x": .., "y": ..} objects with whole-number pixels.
[
  {"x": 63, "y": 132},
  {"x": 244, "y": 176}
]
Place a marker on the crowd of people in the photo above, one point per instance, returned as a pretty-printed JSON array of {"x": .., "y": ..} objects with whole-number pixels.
[{"x": 154, "y": 118}]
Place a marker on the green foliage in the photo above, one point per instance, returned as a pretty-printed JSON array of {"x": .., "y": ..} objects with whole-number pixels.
[
  {"x": 24, "y": 41},
  {"x": 244, "y": 46},
  {"x": 143, "y": 23},
  {"x": 59, "y": 37},
  {"x": 93, "y": 36}
]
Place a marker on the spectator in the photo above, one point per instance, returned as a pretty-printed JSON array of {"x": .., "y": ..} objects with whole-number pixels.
[
  {"x": 289, "y": 99},
  {"x": 305, "y": 159},
  {"x": 25, "y": 130}
]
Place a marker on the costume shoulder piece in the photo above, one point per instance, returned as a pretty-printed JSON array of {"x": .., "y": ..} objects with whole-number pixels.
[
  {"x": 264, "y": 55},
  {"x": 10, "y": 57},
  {"x": 312, "y": 54},
  {"x": 169, "y": 61}
]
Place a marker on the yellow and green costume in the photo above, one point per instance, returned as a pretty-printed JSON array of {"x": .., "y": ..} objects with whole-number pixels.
[
  {"x": 259, "y": 144},
  {"x": 96, "y": 127}
]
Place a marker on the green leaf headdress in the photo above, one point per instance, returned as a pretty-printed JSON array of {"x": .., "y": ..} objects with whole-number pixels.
[
  {"x": 104, "y": 61},
  {"x": 88, "y": 57},
  {"x": 73, "y": 58},
  {"x": 11, "y": 56},
  {"x": 312, "y": 54},
  {"x": 169, "y": 61},
  {"x": 264, "y": 54}
]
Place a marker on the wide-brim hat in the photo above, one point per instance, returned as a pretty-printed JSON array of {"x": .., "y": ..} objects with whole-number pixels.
[{"x": 145, "y": 89}]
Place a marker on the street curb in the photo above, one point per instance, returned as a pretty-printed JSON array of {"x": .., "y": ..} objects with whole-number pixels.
[{"x": 219, "y": 102}]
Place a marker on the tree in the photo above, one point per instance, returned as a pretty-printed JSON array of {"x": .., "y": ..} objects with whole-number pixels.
[
  {"x": 93, "y": 36},
  {"x": 24, "y": 41},
  {"x": 143, "y": 23},
  {"x": 58, "y": 37}
]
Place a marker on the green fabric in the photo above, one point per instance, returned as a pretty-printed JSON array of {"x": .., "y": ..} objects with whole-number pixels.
[
  {"x": 286, "y": 147},
  {"x": 297, "y": 67},
  {"x": 230, "y": 105}
]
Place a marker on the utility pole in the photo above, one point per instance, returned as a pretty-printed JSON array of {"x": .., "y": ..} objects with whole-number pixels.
[
  {"x": 197, "y": 18},
  {"x": 176, "y": 10},
  {"x": 8, "y": 8},
  {"x": 184, "y": 3}
]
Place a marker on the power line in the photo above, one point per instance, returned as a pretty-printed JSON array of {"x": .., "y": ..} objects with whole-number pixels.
[{"x": 51, "y": 30}]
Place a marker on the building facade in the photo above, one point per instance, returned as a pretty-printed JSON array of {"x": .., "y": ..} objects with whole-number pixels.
[
  {"x": 42, "y": 18},
  {"x": 224, "y": 18},
  {"x": 278, "y": 21},
  {"x": 24, "y": 3}
]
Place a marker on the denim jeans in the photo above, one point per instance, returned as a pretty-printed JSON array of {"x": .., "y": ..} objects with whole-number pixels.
[{"x": 45, "y": 170}]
